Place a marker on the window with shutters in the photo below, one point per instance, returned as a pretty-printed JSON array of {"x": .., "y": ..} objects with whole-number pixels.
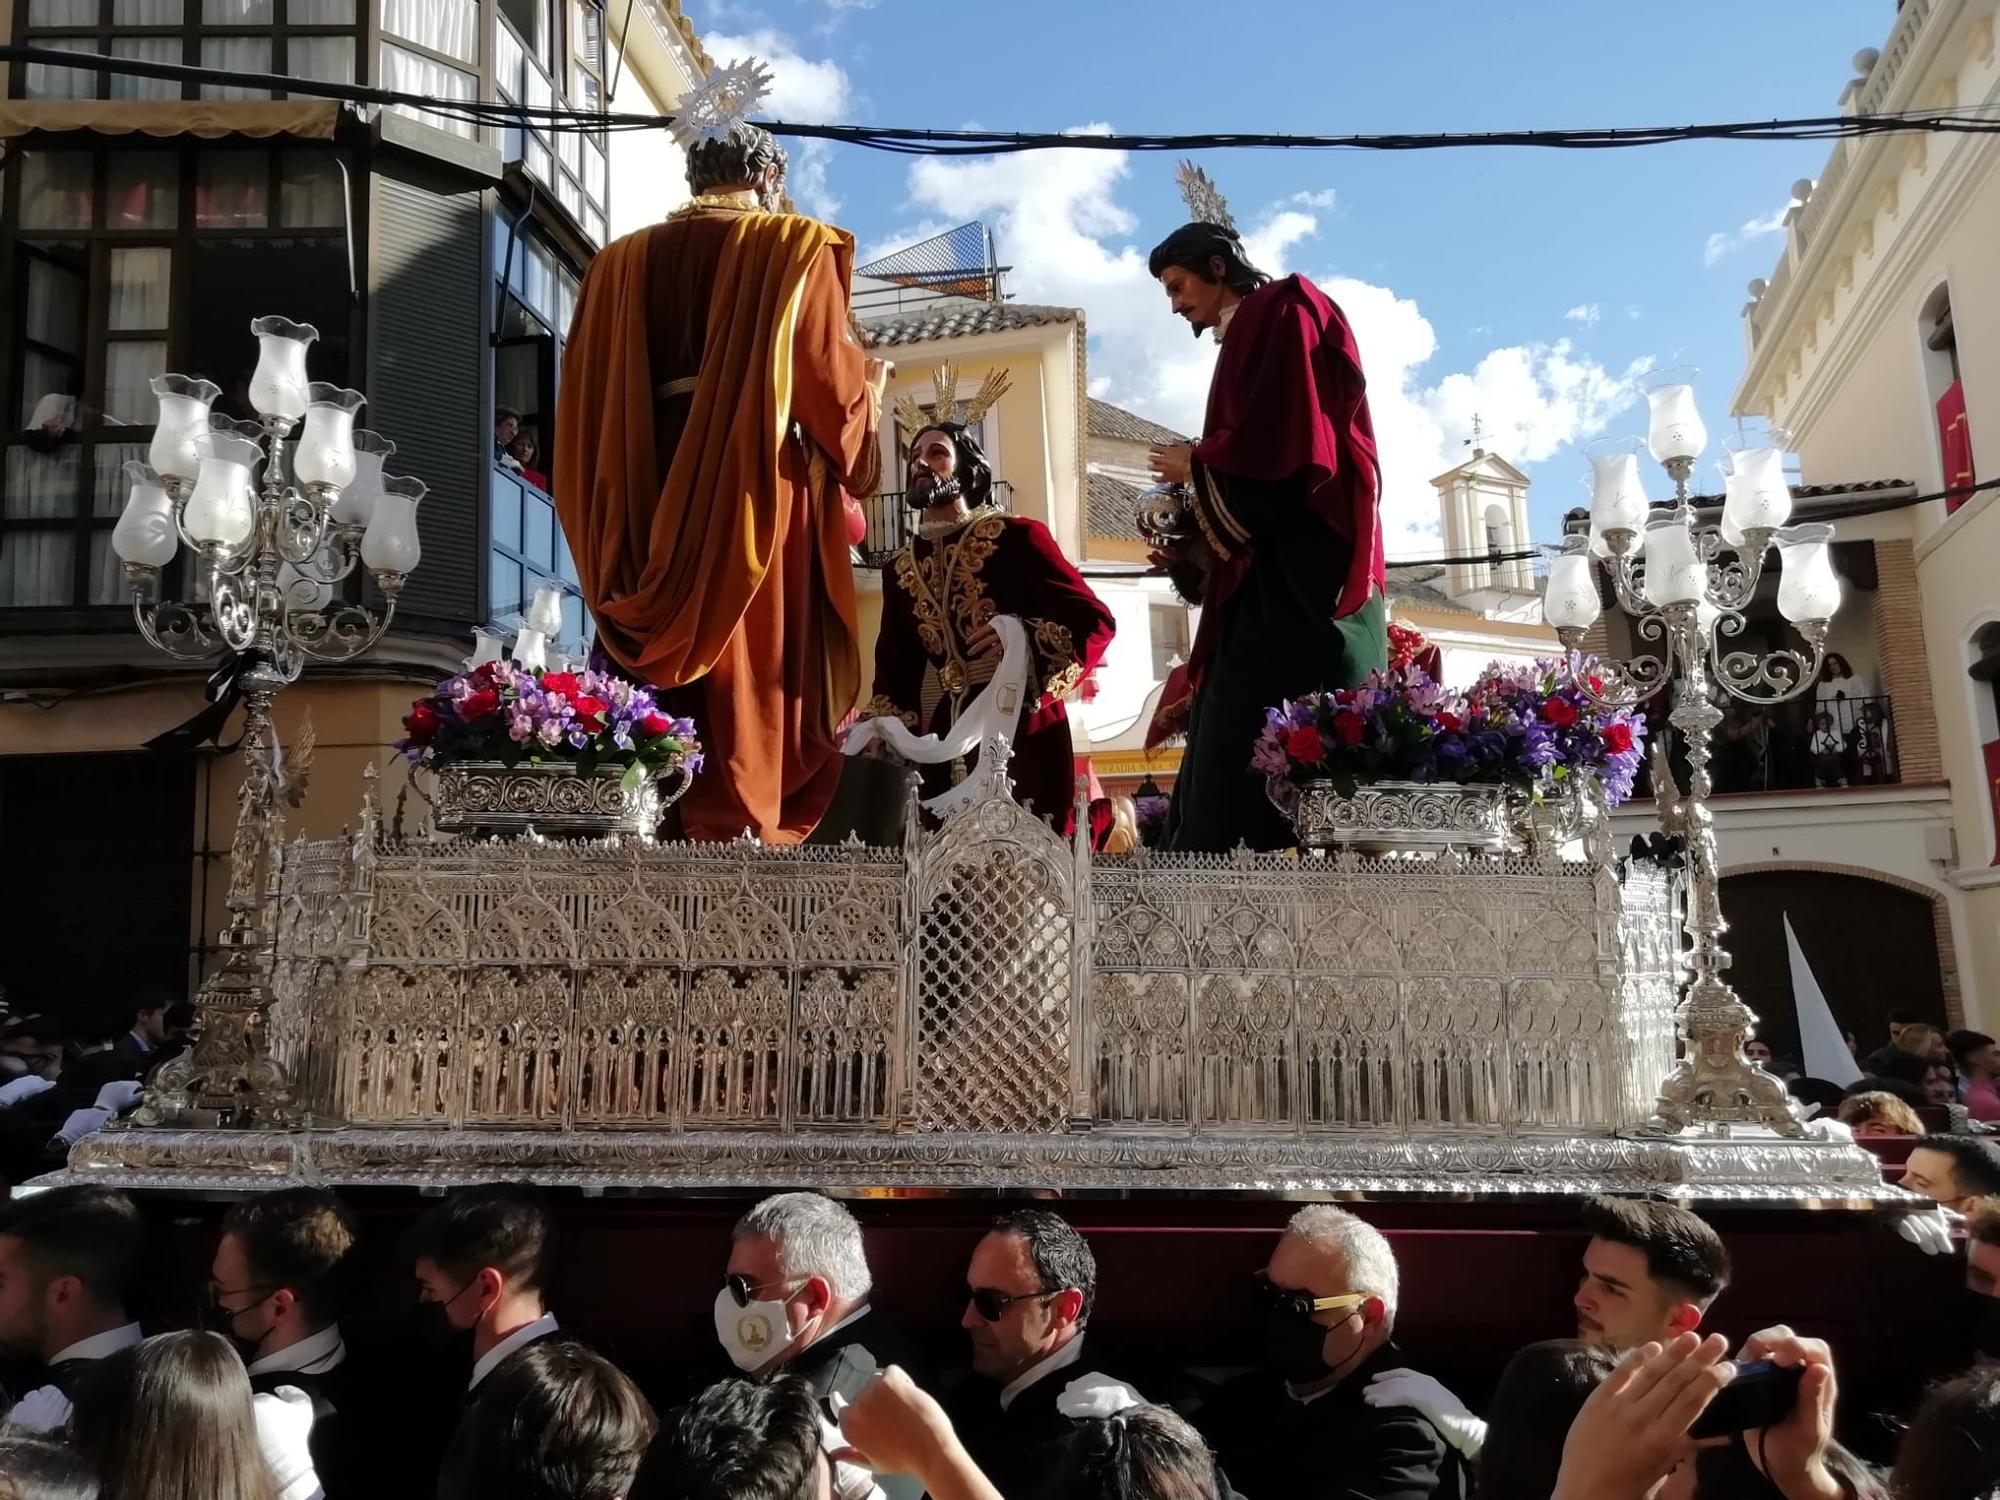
[
  {"x": 535, "y": 292},
  {"x": 305, "y": 39},
  {"x": 126, "y": 264}
]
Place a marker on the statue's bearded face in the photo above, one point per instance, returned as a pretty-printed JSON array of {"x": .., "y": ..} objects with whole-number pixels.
[
  {"x": 934, "y": 454},
  {"x": 1200, "y": 302}
]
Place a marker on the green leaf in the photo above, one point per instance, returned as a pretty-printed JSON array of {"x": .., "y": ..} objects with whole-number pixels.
[{"x": 634, "y": 775}]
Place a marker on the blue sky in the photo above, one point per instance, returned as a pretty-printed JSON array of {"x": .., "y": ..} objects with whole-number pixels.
[{"x": 1533, "y": 286}]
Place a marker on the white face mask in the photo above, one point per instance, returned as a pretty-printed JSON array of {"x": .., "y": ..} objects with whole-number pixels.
[{"x": 754, "y": 1334}]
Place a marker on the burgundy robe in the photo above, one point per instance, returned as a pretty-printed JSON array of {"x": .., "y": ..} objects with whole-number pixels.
[{"x": 938, "y": 592}]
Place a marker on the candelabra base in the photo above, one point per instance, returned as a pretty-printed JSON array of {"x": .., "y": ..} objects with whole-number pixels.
[
  {"x": 228, "y": 1078},
  {"x": 1715, "y": 1086}
]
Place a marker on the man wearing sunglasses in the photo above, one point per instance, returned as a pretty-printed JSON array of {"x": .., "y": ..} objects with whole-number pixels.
[
  {"x": 1029, "y": 1291},
  {"x": 1299, "y": 1427},
  {"x": 795, "y": 1301}
]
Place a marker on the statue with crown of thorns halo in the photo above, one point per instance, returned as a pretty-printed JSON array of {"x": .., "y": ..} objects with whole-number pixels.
[
  {"x": 968, "y": 563},
  {"x": 1283, "y": 547}
]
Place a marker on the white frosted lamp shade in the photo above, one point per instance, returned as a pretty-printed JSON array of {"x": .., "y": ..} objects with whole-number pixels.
[
  {"x": 1617, "y": 493},
  {"x": 487, "y": 646},
  {"x": 1570, "y": 599},
  {"x": 356, "y": 502},
  {"x": 531, "y": 651},
  {"x": 223, "y": 507},
  {"x": 545, "y": 612},
  {"x": 1675, "y": 429},
  {"x": 1808, "y": 587},
  {"x": 1675, "y": 573},
  {"x": 182, "y": 426},
  {"x": 326, "y": 443},
  {"x": 390, "y": 543},
  {"x": 145, "y": 533},
  {"x": 279, "y": 386},
  {"x": 1758, "y": 495}
]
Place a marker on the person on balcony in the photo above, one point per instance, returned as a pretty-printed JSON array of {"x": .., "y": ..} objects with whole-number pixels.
[
  {"x": 1285, "y": 495},
  {"x": 937, "y": 646},
  {"x": 713, "y": 405},
  {"x": 523, "y": 452}
]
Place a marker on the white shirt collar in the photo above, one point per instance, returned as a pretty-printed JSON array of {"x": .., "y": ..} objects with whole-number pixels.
[
  {"x": 99, "y": 1345},
  {"x": 1222, "y": 320},
  {"x": 144, "y": 1045},
  {"x": 1062, "y": 1359},
  {"x": 314, "y": 1354},
  {"x": 853, "y": 1317},
  {"x": 527, "y": 1333}
]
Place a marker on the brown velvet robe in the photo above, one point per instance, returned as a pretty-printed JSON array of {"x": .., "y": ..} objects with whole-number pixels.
[{"x": 713, "y": 404}]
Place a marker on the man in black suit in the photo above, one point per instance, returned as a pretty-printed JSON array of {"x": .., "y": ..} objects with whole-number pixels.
[
  {"x": 280, "y": 1277},
  {"x": 795, "y": 1300},
  {"x": 483, "y": 1258},
  {"x": 1299, "y": 1429},
  {"x": 69, "y": 1259},
  {"x": 1030, "y": 1288},
  {"x": 134, "y": 1050}
]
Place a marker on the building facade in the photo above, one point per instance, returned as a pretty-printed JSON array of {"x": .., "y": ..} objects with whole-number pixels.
[
  {"x": 144, "y": 221},
  {"x": 1875, "y": 343}
]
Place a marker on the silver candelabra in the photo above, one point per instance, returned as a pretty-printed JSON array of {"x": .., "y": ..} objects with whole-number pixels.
[
  {"x": 270, "y": 560},
  {"x": 1685, "y": 587}
]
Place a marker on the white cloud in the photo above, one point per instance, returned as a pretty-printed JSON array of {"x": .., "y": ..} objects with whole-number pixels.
[
  {"x": 1058, "y": 223},
  {"x": 804, "y": 90},
  {"x": 1320, "y": 198},
  {"x": 1726, "y": 242},
  {"x": 1585, "y": 313}
]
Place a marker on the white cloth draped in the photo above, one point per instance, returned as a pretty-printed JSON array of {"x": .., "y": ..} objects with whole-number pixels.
[{"x": 993, "y": 716}]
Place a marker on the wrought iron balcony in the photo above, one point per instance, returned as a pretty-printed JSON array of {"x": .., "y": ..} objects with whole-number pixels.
[{"x": 1832, "y": 742}]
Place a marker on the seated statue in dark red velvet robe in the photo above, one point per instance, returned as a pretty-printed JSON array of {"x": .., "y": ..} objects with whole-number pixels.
[{"x": 937, "y": 647}]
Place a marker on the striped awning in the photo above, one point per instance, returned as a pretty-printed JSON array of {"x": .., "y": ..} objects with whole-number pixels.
[{"x": 311, "y": 119}]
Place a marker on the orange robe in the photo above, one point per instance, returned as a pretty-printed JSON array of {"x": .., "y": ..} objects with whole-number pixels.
[{"x": 713, "y": 405}]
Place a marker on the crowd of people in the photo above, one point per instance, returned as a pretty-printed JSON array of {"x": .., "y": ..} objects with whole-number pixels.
[
  {"x": 62, "y": 1079},
  {"x": 268, "y": 1401}
]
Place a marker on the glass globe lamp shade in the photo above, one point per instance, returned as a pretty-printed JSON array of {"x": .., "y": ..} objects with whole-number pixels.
[
  {"x": 1808, "y": 587},
  {"x": 356, "y": 503},
  {"x": 1570, "y": 599},
  {"x": 545, "y": 612},
  {"x": 326, "y": 443},
  {"x": 179, "y": 434},
  {"x": 1675, "y": 573},
  {"x": 390, "y": 543},
  {"x": 531, "y": 651},
  {"x": 145, "y": 534},
  {"x": 1617, "y": 493},
  {"x": 222, "y": 510},
  {"x": 1675, "y": 429},
  {"x": 1758, "y": 496},
  {"x": 487, "y": 646},
  {"x": 279, "y": 386}
]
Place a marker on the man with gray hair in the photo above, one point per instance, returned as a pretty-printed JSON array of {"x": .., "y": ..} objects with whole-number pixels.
[
  {"x": 795, "y": 1299},
  {"x": 1299, "y": 1427}
]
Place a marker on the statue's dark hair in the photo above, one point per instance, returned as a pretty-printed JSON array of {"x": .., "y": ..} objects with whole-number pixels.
[
  {"x": 969, "y": 464},
  {"x": 737, "y": 157},
  {"x": 1193, "y": 247}
]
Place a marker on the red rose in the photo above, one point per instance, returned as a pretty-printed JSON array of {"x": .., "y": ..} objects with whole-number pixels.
[
  {"x": 1617, "y": 738},
  {"x": 1596, "y": 683},
  {"x": 1448, "y": 720},
  {"x": 478, "y": 705},
  {"x": 589, "y": 711},
  {"x": 1349, "y": 727},
  {"x": 422, "y": 723},
  {"x": 1559, "y": 712},
  {"x": 1304, "y": 745},
  {"x": 564, "y": 683},
  {"x": 655, "y": 724}
]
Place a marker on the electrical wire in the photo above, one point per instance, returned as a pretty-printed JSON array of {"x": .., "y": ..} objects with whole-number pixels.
[{"x": 1961, "y": 120}]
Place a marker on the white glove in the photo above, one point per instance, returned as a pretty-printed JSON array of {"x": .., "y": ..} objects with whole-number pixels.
[
  {"x": 1929, "y": 1230},
  {"x": 42, "y": 1410},
  {"x": 1450, "y": 1416},
  {"x": 82, "y": 1122},
  {"x": 845, "y": 1481},
  {"x": 1096, "y": 1395},
  {"x": 23, "y": 1088},
  {"x": 120, "y": 1095},
  {"x": 284, "y": 1424}
]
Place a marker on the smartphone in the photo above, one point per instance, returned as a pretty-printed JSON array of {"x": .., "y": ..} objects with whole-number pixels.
[{"x": 1760, "y": 1395}]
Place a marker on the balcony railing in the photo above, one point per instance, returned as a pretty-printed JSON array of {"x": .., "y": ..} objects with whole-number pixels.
[
  {"x": 1832, "y": 742},
  {"x": 891, "y": 523}
]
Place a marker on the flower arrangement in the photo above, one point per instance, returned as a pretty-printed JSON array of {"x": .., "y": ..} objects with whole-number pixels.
[
  {"x": 512, "y": 714},
  {"x": 1528, "y": 726}
]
